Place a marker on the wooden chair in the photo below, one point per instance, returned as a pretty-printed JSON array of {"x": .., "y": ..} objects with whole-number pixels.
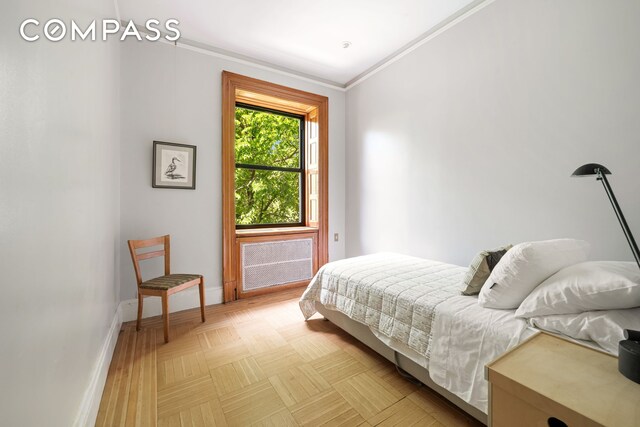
[{"x": 162, "y": 286}]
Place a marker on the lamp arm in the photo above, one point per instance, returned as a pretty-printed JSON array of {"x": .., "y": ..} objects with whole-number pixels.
[{"x": 625, "y": 227}]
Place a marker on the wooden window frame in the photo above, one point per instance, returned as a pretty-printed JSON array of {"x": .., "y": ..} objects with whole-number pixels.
[{"x": 246, "y": 90}]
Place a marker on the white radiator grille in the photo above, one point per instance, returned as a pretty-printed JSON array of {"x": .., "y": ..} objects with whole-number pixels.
[{"x": 276, "y": 263}]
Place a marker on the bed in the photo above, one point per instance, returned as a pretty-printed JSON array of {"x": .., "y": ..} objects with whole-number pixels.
[{"x": 410, "y": 311}]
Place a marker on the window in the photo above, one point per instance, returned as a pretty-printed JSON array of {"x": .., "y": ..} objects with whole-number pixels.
[
  {"x": 269, "y": 169},
  {"x": 274, "y": 142}
]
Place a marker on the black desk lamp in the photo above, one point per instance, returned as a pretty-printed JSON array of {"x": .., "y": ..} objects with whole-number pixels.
[{"x": 629, "y": 349}]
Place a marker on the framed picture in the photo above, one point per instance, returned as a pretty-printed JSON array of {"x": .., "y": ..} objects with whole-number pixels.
[{"x": 174, "y": 165}]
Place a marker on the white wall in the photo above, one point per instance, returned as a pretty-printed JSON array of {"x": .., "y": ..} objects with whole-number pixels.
[
  {"x": 173, "y": 94},
  {"x": 59, "y": 212},
  {"x": 468, "y": 142},
  {"x": 464, "y": 144}
]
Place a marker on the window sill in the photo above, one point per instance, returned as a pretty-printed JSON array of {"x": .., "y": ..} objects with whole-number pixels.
[{"x": 276, "y": 231}]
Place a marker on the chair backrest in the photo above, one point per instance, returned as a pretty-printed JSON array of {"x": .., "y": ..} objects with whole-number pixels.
[{"x": 134, "y": 245}]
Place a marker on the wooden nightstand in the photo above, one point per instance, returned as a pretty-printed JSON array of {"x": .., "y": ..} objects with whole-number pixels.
[{"x": 549, "y": 381}]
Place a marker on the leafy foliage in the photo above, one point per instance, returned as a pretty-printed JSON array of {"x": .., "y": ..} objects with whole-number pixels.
[{"x": 263, "y": 196}]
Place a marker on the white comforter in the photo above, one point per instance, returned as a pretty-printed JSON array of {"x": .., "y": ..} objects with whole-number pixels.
[
  {"x": 395, "y": 295},
  {"x": 415, "y": 303},
  {"x": 466, "y": 337}
]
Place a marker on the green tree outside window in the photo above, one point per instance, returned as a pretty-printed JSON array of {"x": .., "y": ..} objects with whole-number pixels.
[{"x": 269, "y": 167}]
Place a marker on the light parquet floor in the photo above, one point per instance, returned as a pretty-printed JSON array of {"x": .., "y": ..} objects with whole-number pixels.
[{"x": 256, "y": 362}]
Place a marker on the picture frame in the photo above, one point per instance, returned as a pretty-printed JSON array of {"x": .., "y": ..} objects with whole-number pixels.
[{"x": 174, "y": 165}]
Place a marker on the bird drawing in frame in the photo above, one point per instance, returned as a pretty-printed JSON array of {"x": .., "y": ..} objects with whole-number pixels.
[{"x": 170, "y": 172}]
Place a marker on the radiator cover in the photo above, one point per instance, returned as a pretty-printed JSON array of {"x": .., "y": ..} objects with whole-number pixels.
[{"x": 268, "y": 264}]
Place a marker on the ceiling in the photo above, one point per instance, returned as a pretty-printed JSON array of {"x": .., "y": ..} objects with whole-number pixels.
[{"x": 303, "y": 37}]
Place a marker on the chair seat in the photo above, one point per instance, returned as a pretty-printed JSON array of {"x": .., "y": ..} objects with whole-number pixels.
[{"x": 164, "y": 283}]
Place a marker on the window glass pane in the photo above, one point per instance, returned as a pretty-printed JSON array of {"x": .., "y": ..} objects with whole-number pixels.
[
  {"x": 267, "y": 197},
  {"x": 267, "y": 139}
]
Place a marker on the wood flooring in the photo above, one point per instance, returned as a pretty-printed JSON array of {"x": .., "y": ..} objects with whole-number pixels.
[{"x": 256, "y": 362}]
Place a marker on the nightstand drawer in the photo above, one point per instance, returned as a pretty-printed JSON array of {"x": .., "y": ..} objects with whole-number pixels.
[{"x": 507, "y": 411}]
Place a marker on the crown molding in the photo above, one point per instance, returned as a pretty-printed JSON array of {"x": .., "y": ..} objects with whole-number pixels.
[
  {"x": 263, "y": 65},
  {"x": 214, "y": 51},
  {"x": 454, "y": 19}
]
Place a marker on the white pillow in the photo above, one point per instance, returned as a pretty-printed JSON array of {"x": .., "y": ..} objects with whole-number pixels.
[
  {"x": 525, "y": 266},
  {"x": 594, "y": 285},
  {"x": 604, "y": 327}
]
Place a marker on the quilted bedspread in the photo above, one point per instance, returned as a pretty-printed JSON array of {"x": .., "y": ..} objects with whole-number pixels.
[{"x": 395, "y": 295}]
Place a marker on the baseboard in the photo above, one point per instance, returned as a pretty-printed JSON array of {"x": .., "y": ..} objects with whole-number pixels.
[
  {"x": 127, "y": 311},
  {"x": 91, "y": 401},
  {"x": 177, "y": 302}
]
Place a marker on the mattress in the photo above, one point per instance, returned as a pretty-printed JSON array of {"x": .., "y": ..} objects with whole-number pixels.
[{"x": 395, "y": 295}]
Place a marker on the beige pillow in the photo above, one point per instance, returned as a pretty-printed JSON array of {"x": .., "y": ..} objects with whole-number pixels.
[{"x": 480, "y": 269}]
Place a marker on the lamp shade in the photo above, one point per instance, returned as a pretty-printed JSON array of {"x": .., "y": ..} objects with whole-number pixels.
[{"x": 590, "y": 169}]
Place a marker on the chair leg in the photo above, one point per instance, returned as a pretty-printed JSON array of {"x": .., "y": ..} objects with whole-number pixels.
[
  {"x": 202, "y": 298},
  {"x": 165, "y": 316},
  {"x": 140, "y": 303}
]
